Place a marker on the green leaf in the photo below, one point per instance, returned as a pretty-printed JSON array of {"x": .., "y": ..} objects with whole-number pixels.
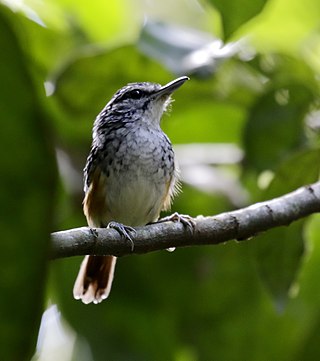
[
  {"x": 311, "y": 345},
  {"x": 101, "y": 21},
  {"x": 278, "y": 254},
  {"x": 301, "y": 168},
  {"x": 275, "y": 125},
  {"x": 279, "y": 251},
  {"x": 284, "y": 26},
  {"x": 235, "y": 13},
  {"x": 26, "y": 198},
  {"x": 308, "y": 298}
]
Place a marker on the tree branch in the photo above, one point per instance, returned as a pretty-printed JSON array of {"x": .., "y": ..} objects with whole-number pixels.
[{"x": 240, "y": 225}]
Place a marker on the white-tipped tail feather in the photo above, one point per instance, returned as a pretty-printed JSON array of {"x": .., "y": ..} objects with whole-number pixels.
[{"x": 94, "y": 280}]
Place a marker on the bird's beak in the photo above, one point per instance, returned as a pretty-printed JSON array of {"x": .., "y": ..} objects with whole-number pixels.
[{"x": 169, "y": 88}]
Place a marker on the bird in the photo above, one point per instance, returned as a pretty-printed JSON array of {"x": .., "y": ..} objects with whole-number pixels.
[{"x": 130, "y": 176}]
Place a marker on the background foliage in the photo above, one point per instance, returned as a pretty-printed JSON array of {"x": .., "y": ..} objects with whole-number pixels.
[{"x": 252, "y": 110}]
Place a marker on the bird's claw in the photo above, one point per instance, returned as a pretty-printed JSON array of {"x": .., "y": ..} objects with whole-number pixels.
[
  {"x": 185, "y": 219},
  {"x": 123, "y": 231}
]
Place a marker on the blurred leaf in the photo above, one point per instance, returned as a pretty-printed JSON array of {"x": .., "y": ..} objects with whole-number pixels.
[
  {"x": 278, "y": 252},
  {"x": 300, "y": 169},
  {"x": 311, "y": 345},
  {"x": 275, "y": 126},
  {"x": 219, "y": 121},
  {"x": 284, "y": 70},
  {"x": 183, "y": 50},
  {"x": 104, "y": 20},
  {"x": 283, "y": 26},
  {"x": 47, "y": 47},
  {"x": 94, "y": 22},
  {"x": 161, "y": 298},
  {"x": 53, "y": 31},
  {"x": 307, "y": 302},
  {"x": 27, "y": 184},
  {"x": 235, "y": 74},
  {"x": 234, "y": 14}
]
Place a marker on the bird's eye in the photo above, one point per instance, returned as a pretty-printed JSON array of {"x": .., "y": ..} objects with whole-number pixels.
[
  {"x": 135, "y": 94},
  {"x": 131, "y": 94}
]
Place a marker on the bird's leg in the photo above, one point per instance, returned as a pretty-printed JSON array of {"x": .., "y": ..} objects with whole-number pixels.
[{"x": 123, "y": 231}]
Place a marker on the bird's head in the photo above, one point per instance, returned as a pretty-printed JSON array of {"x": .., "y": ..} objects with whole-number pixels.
[{"x": 143, "y": 101}]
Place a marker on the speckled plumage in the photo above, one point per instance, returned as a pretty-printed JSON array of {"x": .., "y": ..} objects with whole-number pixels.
[{"x": 130, "y": 174}]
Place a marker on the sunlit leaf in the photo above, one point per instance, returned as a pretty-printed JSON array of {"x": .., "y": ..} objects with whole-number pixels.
[
  {"x": 283, "y": 26},
  {"x": 234, "y": 13},
  {"x": 102, "y": 21}
]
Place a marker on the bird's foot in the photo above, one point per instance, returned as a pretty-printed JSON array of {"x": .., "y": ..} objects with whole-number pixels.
[
  {"x": 123, "y": 230},
  {"x": 94, "y": 232},
  {"x": 185, "y": 219}
]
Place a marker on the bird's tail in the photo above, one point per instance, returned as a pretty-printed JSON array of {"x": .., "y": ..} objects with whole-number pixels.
[{"x": 94, "y": 280}]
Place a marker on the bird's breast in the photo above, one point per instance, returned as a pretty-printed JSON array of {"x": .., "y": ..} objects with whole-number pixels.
[{"x": 138, "y": 173}]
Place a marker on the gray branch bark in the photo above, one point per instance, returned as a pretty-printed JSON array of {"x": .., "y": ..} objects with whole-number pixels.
[{"x": 239, "y": 225}]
